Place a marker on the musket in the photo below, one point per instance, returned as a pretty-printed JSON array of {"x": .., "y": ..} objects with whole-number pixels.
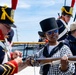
[{"x": 52, "y": 59}]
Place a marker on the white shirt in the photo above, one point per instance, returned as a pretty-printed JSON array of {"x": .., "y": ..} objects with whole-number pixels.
[{"x": 50, "y": 48}]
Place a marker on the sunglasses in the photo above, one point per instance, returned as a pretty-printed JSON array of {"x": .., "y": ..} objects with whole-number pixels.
[{"x": 53, "y": 31}]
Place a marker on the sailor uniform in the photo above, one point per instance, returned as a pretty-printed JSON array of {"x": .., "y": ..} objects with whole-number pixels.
[
  {"x": 63, "y": 29},
  {"x": 55, "y": 68},
  {"x": 59, "y": 50}
]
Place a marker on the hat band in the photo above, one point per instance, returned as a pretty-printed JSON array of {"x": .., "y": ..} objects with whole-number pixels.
[
  {"x": 4, "y": 14},
  {"x": 70, "y": 12}
]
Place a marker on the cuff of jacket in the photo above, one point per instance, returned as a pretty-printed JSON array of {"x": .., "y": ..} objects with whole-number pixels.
[{"x": 14, "y": 65}]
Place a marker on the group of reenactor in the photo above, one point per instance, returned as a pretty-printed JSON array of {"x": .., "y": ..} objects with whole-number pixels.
[{"x": 60, "y": 42}]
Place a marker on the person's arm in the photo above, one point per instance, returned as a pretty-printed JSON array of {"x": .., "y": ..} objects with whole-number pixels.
[
  {"x": 13, "y": 66},
  {"x": 15, "y": 54},
  {"x": 25, "y": 64}
]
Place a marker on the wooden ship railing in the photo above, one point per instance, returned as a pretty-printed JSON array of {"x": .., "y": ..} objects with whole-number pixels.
[
  {"x": 27, "y": 48},
  {"x": 28, "y": 43}
]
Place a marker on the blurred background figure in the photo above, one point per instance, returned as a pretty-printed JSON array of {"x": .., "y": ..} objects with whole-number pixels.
[
  {"x": 66, "y": 14},
  {"x": 42, "y": 38},
  {"x": 71, "y": 40},
  {"x": 63, "y": 20}
]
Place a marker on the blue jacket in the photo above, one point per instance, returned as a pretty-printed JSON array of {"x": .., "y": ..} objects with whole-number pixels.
[
  {"x": 62, "y": 26},
  {"x": 71, "y": 42},
  {"x": 2, "y": 53}
]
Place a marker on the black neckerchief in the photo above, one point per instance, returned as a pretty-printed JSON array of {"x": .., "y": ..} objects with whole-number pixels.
[{"x": 46, "y": 54}]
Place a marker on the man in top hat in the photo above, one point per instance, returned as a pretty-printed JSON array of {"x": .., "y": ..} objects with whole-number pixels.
[
  {"x": 71, "y": 40},
  {"x": 54, "y": 49},
  {"x": 66, "y": 14},
  {"x": 6, "y": 22}
]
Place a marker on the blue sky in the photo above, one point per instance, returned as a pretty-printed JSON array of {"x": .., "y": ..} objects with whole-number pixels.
[{"x": 30, "y": 12}]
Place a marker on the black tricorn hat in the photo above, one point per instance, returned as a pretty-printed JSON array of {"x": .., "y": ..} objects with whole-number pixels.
[
  {"x": 48, "y": 24},
  {"x": 42, "y": 34},
  {"x": 6, "y": 16},
  {"x": 67, "y": 10}
]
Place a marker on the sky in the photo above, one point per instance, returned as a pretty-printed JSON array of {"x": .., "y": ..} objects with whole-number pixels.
[{"x": 29, "y": 13}]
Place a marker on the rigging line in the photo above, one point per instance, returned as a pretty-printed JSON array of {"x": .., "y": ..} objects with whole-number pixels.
[
  {"x": 17, "y": 35},
  {"x": 64, "y": 2},
  {"x": 35, "y": 48},
  {"x": 74, "y": 17},
  {"x": 34, "y": 66}
]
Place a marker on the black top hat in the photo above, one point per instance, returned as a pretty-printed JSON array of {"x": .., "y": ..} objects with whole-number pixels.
[
  {"x": 48, "y": 24},
  {"x": 67, "y": 10},
  {"x": 6, "y": 16},
  {"x": 42, "y": 34}
]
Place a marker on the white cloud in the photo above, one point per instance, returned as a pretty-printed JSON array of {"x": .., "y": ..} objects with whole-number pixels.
[
  {"x": 5, "y": 2},
  {"x": 23, "y": 5},
  {"x": 41, "y": 3},
  {"x": 48, "y": 3}
]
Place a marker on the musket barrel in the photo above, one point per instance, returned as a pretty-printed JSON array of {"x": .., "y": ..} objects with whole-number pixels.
[
  {"x": 49, "y": 60},
  {"x": 72, "y": 58}
]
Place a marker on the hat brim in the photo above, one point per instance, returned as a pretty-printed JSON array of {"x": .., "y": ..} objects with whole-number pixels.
[
  {"x": 13, "y": 25},
  {"x": 41, "y": 34}
]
